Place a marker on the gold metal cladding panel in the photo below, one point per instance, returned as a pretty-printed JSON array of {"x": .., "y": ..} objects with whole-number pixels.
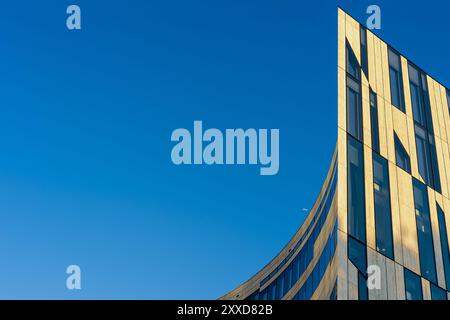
[
  {"x": 382, "y": 128},
  {"x": 342, "y": 105},
  {"x": 342, "y": 180},
  {"x": 408, "y": 221},
  {"x": 367, "y": 129},
  {"x": 341, "y": 256},
  {"x": 441, "y": 165},
  {"x": 341, "y": 39},
  {"x": 435, "y": 105},
  {"x": 326, "y": 285},
  {"x": 378, "y": 67},
  {"x": 385, "y": 70},
  {"x": 391, "y": 280},
  {"x": 436, "y": 238},
  {"x": 440, "y": 104},
  {"x": 445, "y": 112},
  {"x": 400, "y": 281},
  {"x": 426, "y": 290},
  {"x": 446, "y": 209},
  {"x": 374, "y": 258},
  {"x": 446, "y": 160},
  {"x": 352, "y": 276},
  {"x": 395, "y": 214},
  {"x": 353, "y": 36},
  {"x": 371, "y": 61}
]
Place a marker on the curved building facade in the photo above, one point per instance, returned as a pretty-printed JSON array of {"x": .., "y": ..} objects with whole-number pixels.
[{"x": 380, "y": 226}]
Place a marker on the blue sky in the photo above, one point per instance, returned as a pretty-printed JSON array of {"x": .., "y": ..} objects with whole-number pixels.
[{"x": 86, "y": 117}]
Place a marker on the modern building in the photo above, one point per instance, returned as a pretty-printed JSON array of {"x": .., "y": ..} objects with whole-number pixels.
[{"x": 383, "y": 213}]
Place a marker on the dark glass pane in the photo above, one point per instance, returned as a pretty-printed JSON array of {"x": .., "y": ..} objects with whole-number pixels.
[
  {"x": 426, "y": 158},
  {"x": 357, "y": 254},
  {"x": 394, "y": 60},
  {"x": 287, "y": 279},
  {"x": 418, "y": 112},
  {"x": 362, "y": 287},
  {"x": 374, "y": 122},
  {"x": 444, "y": 244},
  {"x": 423, "y": 154},
  {"x": 280, "y": 287},
  {"x": 355, "y": 192},
  {"x": 413, "y": 286},
  {"x": 424, "y": 232},
  {"x": 401, "y": 156},
  {"x": 364, "y": 63},
  {"x": 352, "y": 63},
  {"x": 382, "y": 201},
  {"x": 436, "y": 180},
  {"x": 395, "y": 91},
  {"x": 295, "y": 270},
  {"x": 395, "y": 75},
  {"x": 416, "y": 96},
  {"x": 354, "y": 110},
  {"x": 437, "y": 293}
]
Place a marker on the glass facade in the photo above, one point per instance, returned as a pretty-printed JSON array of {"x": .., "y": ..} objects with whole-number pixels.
[
  {"x": 437, "y": 293},
  {"x": 356, "y": 216},
  {"x": 354, "y": 108},
  {"x": 424, "y": 231},
  {"x": 382, "y": 201},
  {"x": 413, "y": 286}
]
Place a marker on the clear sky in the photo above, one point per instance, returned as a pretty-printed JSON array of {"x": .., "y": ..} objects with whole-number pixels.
[{"x": 86, "y": 117}]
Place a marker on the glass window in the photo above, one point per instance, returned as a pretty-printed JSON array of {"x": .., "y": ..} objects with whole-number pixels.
[
  {"x": 280, "y": 287},
  {"x": 362, "y": 287},
  {"x": 395, "y": 75},
  {"x": 444, "y": 243},
  {"x": 374, "y": 122},
  {"x": 354, "y": 110},
  {"x": 413, "y": 286},
  {"x": 423, "y": 157},
  {"x": 401, "y": 156},
  {"x": 426, "y": 158},
  {"x": 416, "y": 96},
  {"x": 287, "y": 279},
  {"x": 355, "y": 192},
  {"x": 382, "y": 201},
  {"x": 357, "y": 254},
  {"x": 437, "y": 293},
  {"x": 352, "y": 63},
  {"x": 424, "y": 232}
]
